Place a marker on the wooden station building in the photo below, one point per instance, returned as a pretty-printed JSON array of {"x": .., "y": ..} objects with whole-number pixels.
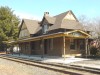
[{"x": 60, "y": 35}]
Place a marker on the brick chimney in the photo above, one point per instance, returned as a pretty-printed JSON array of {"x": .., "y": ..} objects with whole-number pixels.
[{"x": 46, "y": 13}]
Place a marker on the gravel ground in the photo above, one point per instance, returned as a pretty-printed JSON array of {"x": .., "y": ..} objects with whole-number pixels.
[{"x": 14, "y": 68}]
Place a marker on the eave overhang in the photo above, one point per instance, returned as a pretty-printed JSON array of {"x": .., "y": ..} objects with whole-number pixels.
[{"x": 60, "y": 34}]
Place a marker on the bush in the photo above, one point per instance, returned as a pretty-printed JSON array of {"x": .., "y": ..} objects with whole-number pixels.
[{"x": 93, "y": 50}]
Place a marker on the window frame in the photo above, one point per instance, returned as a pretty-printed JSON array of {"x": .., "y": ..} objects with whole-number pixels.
[
  {"x": 73, "y": 41},
  {"x": 83, "y": 44},
  {"x": 45, "y": 28}
]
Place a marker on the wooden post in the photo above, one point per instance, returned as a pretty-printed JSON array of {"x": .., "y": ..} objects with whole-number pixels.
[
  {"x": 86, "y": 46},
  {"x": 42, "y": 47},
  {"x": 12, "y": 49},
  {"x": 88, "y": 50},
  {"x": 29, "y": 49},
  {"x": 6, "y": 49},
  {"x": 20, "y": 48},
  {"x": 17, "y": 48},
  {"x": 64, "y": 46}
]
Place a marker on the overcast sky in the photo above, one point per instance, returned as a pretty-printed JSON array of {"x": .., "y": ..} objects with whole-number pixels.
[{"x": 34, "y": 9}]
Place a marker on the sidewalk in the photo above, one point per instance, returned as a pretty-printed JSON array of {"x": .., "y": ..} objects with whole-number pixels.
[{"x": 51, "y": 59}]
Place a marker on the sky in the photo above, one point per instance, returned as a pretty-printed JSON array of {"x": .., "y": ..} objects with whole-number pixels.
[{"x": 34, "y": 9}]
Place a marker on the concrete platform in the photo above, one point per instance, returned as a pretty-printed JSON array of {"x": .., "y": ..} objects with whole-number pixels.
[{"x": 83, "y": 62}]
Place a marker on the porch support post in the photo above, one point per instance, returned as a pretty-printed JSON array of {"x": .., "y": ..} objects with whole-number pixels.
[
  {"x": 6, "y": 49},
  {"x": 19, "y": 49},
  {"x": 42, "y": 47},
  {"x": 64, "y": 47},
  {"x": 86, "y": 47},
  {"x": 12, "y": 49},
  {"x": 29, "y": 49}
]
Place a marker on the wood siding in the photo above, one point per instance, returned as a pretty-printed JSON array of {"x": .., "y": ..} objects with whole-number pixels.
[
  {"x": 36, "y": 48},
  {"x": 74, "y": 52},
  {"x": 69, "y": 16},
  {"x": 24, "y": 32},
  {"x": 52, "y": 47},
  {"x": 25, "y": 48},
  {"x": 57, "y": 47}
]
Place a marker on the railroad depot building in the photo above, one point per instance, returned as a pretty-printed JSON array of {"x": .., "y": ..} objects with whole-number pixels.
[{"x": 60, "y": 35}]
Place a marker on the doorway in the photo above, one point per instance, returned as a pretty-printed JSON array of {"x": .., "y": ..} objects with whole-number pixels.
[{"x": 45, "y": 46}]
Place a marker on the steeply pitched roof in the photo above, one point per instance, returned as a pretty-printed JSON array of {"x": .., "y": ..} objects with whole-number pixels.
[
  {"x": 32, "y": 25},
  {"x": 51, "y": 20},
  {"x": 68, "y": 24},
  {"x": 60, "y": 22},
  {"x": 71, "y": 24}
]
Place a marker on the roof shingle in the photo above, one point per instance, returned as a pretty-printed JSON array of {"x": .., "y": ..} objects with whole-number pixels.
[
  {"x": 60, "y": 22},
  {"x": 32, "y": 25},
  {"x": 57, "y": 22}
]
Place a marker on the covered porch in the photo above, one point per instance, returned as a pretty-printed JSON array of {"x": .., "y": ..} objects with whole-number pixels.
[{"x": 66, "y": 44}]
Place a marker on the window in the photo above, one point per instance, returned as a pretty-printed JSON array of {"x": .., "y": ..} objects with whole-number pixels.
[
  {"x": 72, "y": 44},
  {"x": 82, "y": 45},
  {"x": 45, "y": 28},
  {"x": 76, "y": 44},
  {"x": 51, "y": 44},
  {"x": 27, "y": 47}
]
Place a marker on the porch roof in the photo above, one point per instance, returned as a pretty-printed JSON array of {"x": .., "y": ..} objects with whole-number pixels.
[{"x": 60, "y": 34}]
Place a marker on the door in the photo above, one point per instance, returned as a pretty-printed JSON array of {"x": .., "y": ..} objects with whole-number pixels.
[{"x": 45, "y": 46}]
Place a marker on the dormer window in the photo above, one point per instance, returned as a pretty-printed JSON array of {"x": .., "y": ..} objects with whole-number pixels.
[{"x": 45, "y": 28}]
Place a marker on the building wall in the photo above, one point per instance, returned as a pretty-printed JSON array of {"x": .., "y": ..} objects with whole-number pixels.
[
  {"x": 56, "y": 49},
  {"x": 69, "y": 16},
  {"x": 73, "y": 52},
  {"x": 36, "y": 48},
  {"x": 53, "y": 47},
  {"x": 24, "y": 32},
  {"x": 25, "y": 48}
]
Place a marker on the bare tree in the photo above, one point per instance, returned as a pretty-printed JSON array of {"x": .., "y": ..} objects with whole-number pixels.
[
  {"x": 97, "y": 27},
  {"x": 92, "y": 25}
]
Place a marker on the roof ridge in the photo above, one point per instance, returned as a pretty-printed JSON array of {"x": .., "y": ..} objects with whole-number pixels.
[
  {"x": 62, "y": 13},
  {"x": 31, "y": 20}
]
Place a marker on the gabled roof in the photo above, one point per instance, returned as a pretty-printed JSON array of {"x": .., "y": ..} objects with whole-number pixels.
[
  {"x": 83, "y": 32},
  {"x": 49, "y": 19},
  {"x": 68, "y": 24},
  {"x": 32, "y": 25},
  {"x": 60, "y": 22},
  {"x": 62, "y": 15}
]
